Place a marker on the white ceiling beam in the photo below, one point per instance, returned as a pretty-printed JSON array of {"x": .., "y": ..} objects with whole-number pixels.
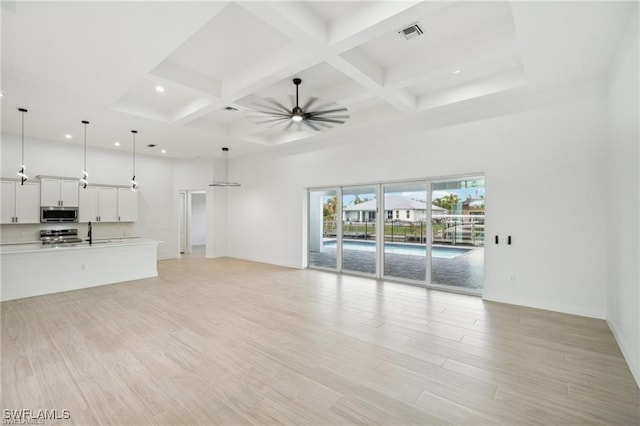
[
  {"x": 361, "y": 70},
  {"x": 298, "y": 23},
  {"x": 293, "y": 20},
  {"x": 278, "y": 65}
]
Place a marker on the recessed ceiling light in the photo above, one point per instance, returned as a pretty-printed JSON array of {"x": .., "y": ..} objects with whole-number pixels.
[
  {"x": 117, "y": 143},
  {"x": 456, "y": 71},
  {"x": 164, "y": 151},
  {"x": 159, "y": 89},
  {"x": 68, "y": 136},
  {"x": 1, "y": 94}
]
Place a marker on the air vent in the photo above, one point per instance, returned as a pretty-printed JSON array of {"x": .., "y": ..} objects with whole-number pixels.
[
  {"x": 230, "y": 108},
  {"x": 411, "y": 31},
  {"x": 151, "y": 145}
]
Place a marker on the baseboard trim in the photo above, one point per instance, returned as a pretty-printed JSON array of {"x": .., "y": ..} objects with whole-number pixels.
[
  {"x": 635, "y": 369},
  {"x": 486, "y": 295},
  {"x": 267, "y": 261}
]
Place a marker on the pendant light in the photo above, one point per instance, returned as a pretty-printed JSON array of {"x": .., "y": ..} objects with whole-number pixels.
[
  {"x": 225, "y": 153},
  {"x": 134, "y": 185},
  {"x": 84, "y": 180},
  {"x": 22, "y": 172}
]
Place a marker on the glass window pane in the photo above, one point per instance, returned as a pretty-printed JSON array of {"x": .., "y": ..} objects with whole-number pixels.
[
  {"x": 359, "y": 206},
  {"x": 405, "y": 234},
  {"x": 457, "y": 220},
  {"x": 323, "y": 216}
]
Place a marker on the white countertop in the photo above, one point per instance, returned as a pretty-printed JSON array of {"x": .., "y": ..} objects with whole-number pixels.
[{"x": 102, "y": 243}]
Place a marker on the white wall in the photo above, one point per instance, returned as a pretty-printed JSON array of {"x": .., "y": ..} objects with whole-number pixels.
[
  {"x": 536, "y": 163},
  {"x": 623, "y": 291},
  {"x": 154, "y": 175},
  {"x": 198, "y": 219}
]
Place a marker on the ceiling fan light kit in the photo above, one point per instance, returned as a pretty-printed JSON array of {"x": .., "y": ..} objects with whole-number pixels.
[{"x": 322, "y": 118}]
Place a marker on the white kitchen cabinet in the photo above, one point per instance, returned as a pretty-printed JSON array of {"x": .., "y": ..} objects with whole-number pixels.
[
  {"x": 98, "y": 204},
  {"x": 127, "y": 205},
  {"x": 88, "y": 204},
  {"x": 20, "y": 203},
  {"x": 108, "y": 204},
  {"x": 58, "y": 192}
]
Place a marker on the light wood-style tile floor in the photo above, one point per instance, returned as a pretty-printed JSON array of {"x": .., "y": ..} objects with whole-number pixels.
[{"x": 232, "y": 342}]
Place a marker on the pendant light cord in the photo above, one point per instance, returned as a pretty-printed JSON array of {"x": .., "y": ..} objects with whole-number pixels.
[
  {"x": 134, "y": 184},
  {"x": 85, "y": 175},
  {"x": 22, "y": 173},
  {"x": 85, "y": 144},
  {"x": 134, "y": 154},
  {"x": 22, "y": 159}
]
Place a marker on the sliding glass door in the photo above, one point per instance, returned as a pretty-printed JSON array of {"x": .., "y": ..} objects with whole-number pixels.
[
  {"x": 405, "y": 231},
  {"x": 457, "y": 224},
  {"x": 428, "y": 232},
  {"x": 359, "y": 217},
  {"x": 323, "y": 228}
]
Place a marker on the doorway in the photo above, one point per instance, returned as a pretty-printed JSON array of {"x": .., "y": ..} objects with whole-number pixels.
[{"x": 193, "y": 222}]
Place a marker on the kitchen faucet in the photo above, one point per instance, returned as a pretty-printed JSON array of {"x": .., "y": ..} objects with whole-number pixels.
[{"x": 89, "y": 235}]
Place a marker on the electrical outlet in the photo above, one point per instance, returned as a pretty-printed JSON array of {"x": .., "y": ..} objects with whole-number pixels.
[
  {"x": 512, "y": 279},
  {"x": 84, "y": 267}
]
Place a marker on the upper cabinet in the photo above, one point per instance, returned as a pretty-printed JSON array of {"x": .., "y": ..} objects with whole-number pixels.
[
  {"x": 20, "y": 203},
  {"x": 98, "y": 204},
  {"x": 58, "y": 192},
  {"x": 127, "y": 205}
]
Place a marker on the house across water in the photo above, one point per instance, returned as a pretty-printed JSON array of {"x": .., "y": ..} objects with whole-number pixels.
[{"x": 396, "y": 208}]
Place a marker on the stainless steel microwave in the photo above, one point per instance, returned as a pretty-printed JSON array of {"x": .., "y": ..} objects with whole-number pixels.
[{"x": 58, "y": 214}]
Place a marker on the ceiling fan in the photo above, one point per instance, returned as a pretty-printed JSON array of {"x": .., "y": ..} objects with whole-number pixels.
[{"x": 324, "y": 116}]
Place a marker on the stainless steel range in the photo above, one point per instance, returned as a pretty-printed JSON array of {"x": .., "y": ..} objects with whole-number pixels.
[{"x": 60, "y": 236}]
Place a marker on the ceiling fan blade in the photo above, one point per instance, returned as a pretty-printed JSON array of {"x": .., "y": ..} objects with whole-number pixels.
[
  {"x": 263, "y": 114},
  {"x": 278, "y": 122},
  {"x": 335, "y": 117},
  {"x": 325, "y": 120},
  {"x": 289, "y": 125},
  {"x": 271, "y": 120},
  {"x": 265, "y": 109},
  {"x": 310, "y": 102},
  {"x": 278, "y": 104},
  {"x": 308, "y": 123},
  {"x": 329, "y": 111},
  {"x": 323, "y": 124}
]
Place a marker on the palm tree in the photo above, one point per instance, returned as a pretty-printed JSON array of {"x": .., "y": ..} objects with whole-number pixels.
[
  {"x": 330, "y": 209},
  {"x": 448, "y": 202}
]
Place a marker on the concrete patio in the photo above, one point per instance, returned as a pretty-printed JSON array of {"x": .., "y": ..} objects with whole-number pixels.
[{"x": 464, "y": 271}]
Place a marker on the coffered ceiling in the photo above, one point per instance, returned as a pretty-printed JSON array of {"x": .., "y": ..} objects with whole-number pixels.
[{"x": 104, "y": 62}]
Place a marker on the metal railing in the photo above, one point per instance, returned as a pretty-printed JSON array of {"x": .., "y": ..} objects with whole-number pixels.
[{"x": 446, "y": 229}]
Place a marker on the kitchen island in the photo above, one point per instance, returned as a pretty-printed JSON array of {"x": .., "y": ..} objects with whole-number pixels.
[{"x": 36, "y": 269}]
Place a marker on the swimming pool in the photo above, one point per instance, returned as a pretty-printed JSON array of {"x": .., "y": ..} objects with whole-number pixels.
[{"x": 397, "y": 248}]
